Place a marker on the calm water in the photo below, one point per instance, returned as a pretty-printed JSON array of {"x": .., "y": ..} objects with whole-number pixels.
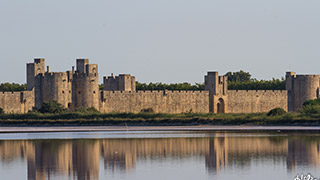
[{"x": 159, "y": 155}]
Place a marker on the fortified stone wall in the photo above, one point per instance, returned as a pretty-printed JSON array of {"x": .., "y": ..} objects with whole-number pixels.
[
  {"x": 17, "y": 102},
  {"x": 80, "y": 89},
  {"x": 253, "y": 101},
  {"x": 159, "y": 101}
]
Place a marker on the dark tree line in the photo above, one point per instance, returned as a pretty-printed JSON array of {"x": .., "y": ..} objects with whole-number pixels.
[
  {"x": 240, "y": 76},
  {"x": 12, "y": 87},
  {"x": 242, "y": 81},
  {"x": 274, "y": 84},
  {"x": 236, "y": 81},
  {"x": 174, "y": 86}
]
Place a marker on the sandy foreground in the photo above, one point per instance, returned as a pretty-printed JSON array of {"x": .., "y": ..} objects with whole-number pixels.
[{"x": 155, "y": 128}]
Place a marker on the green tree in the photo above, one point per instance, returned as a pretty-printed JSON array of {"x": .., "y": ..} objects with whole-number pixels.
[
  {"x": 100, "y": 86},
  {"x": 312, "y": 102},
  {"x": 276, "y": 112},
  {"x": 239, "y": 76},
  {"x": 254, "y": 84},
  {"x": 52, "y": 107},
  {"x": 311, "y": 107}
]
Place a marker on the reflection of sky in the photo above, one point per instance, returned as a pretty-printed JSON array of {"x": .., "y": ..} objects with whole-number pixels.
[
  {"x": 14, "y": 170},
  {"x": 159, "y": 155},
  {"x": 125, "y": 134}
]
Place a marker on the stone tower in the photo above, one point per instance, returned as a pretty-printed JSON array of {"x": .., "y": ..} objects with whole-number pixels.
[
  {"x": 53, "y": 86},
  {"x": 85, "y": 85},
  {"x": 33, "y": 69},
  {"x": 217, "y": 87},
  {"x": 300, "y": 89},
  {"x": 123, "y": 82}
]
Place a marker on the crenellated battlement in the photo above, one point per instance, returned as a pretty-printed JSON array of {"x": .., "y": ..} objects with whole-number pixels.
[
  {"x": 258, "y": 91},
  {"x": 164, "y": 92}
]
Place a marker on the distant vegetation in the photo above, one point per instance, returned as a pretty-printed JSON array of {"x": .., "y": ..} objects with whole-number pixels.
[
  {"x": 239, "y": 76},
  {"x": 311, "y": 107},
  {"x": 51, "y": 107},
  {"x": 174, "y": 86},
  {"x": 236, "y": 81},
  {"x": 101, "y": 86},
  {"x": 276, "y": 112},
  {"x": 254, "y": 84},
  {"x": 12, "y": 87}
]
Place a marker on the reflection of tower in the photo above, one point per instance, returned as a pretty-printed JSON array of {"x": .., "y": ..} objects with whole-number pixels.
[
  {"x": 86, "y": 159},
  {"x": 48, "y": 157},
  {"x": 218, "y": 154},
  {"x": 119, "y": 154},
  {"x": 301, "y": 153},
  {"x": 33, "y": 171}
]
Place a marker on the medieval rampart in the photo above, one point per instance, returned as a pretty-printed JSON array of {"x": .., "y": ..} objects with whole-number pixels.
[
  {"x": 79, "y": 88},
  {"x": 253, "y": 101},
  {"x": 17, "y": 102},
  {"x": 159, "y": 101}
]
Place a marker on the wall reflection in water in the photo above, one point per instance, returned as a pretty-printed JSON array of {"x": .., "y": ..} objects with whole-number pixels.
[{"x": 80, "y": 159}]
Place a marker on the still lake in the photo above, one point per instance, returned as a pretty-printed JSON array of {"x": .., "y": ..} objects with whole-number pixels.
[{"x": 144, "y": 155}]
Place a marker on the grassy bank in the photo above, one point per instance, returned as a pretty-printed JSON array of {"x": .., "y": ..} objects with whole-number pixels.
[{"x": 151, "y": 119}]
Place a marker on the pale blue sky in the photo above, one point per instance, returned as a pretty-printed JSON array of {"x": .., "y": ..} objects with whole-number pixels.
[{"x": 162, "y": 40}]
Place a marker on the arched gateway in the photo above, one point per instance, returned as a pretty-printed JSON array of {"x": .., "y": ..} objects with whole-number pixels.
[{"x": 220, "y": 106}]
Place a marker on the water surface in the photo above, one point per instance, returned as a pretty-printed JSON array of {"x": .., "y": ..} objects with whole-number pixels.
[{"x": 143, "y": 155}]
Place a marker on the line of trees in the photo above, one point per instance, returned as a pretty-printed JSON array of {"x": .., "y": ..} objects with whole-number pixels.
[
  {"x": 243, "y": 81},
  {"x": 254, "y": 84},
  {"x": 12, "y": 87},
  {"x": 236, "y": 81},
  {"x": 173, "y": 86}
]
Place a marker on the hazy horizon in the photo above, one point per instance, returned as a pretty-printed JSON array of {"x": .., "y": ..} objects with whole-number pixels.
[{"x": 162, "y": 41}]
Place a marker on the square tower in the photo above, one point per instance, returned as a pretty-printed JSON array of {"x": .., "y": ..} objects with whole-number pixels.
[
  {"x": 33, "y": 69},
  {"x": 217, "y": 87},
  {"x": 215, "y": 84},
  {"x": 123, "y": 82},
  {"x": 81, "y": 65}
]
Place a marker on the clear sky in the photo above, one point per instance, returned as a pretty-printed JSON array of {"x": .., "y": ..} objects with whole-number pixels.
[{"x": 162, "y": 40}]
